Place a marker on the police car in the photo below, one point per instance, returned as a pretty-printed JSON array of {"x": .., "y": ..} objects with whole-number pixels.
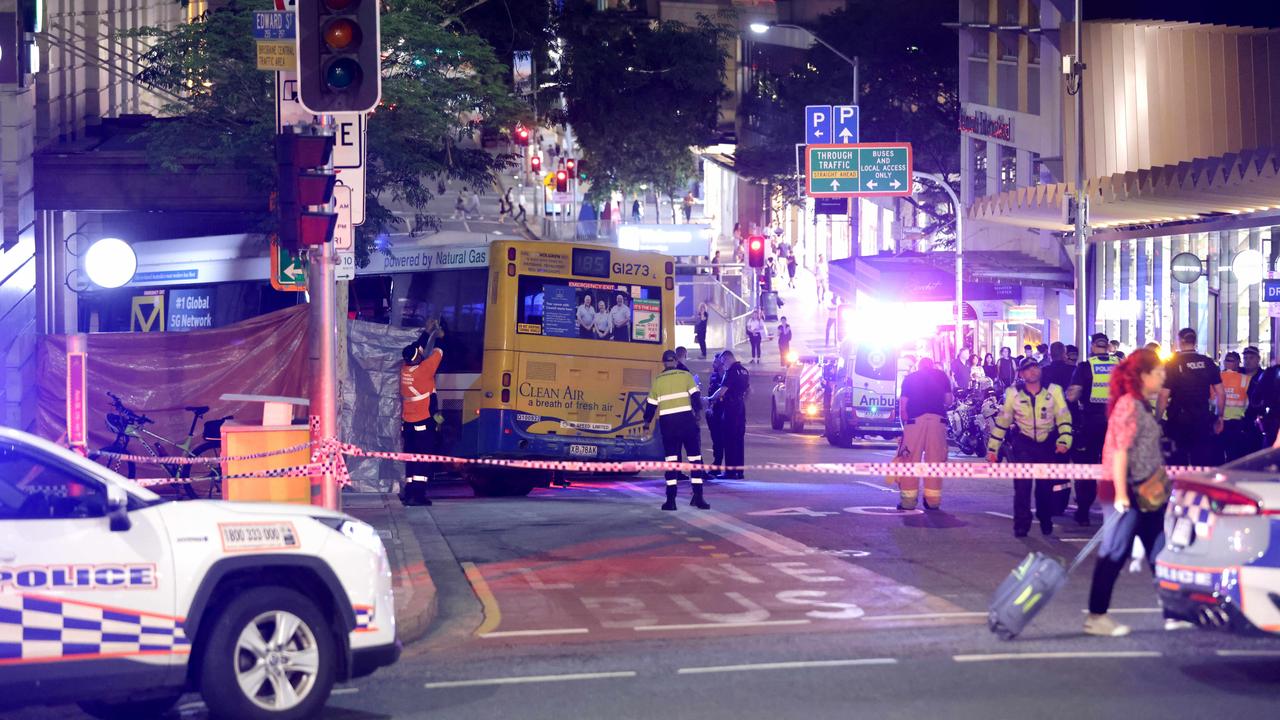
[
  {"x": 118, "y": 600},
  {"x": 798, "y": 394},
  {"x": 1220, "y": 566}
]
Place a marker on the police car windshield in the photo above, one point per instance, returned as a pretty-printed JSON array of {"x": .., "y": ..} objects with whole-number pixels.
[{"x": 1266, "y": 462}]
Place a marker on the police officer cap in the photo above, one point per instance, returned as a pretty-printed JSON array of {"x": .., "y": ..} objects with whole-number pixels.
[
  {"x": 1233, "y": 355},
  {"x": 669, "y": 356},
  {"x": 1099, "y": 339},
  {"x": 1027, "y": 363}
]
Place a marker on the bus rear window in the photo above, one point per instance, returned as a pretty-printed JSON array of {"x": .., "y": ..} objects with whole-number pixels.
[{"x": 564, "y": 308}]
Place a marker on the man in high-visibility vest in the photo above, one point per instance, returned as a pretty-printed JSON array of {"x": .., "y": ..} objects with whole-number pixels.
[
  {"x": 419, "y": 411},
  {"x": 675, "y": 399},
  {"x": 1235, "y": 440},
  {"x": 1090, "y": 390}
]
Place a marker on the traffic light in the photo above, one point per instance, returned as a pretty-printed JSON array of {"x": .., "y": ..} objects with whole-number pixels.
[
  {"x": 571, "y": 167},
  {"x": 562, "y": 181},
  {"x": 582, "y": 170},
  {"x": 305, "y": 180},
  {"x": 521, "y": 136},
  {"x": 339, "y": 61},
  {"x": 535, "y": 164},
  {"x": 755, "y": 251}
]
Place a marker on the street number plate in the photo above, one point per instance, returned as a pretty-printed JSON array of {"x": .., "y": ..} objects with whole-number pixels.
[
  {"x": 1181, "y": 535},
  {"x": 584, "y": 450}
]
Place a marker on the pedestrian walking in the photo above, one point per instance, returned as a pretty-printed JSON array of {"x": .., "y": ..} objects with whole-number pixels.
[
  {"x": 926, "y": 395},
  {"x": 635, "y": 210},
  {"x": 688, "y": 207},
  {"x": 791, "y": 271},
  {"x": 756, "y": 330},
  {"x": 473, "y": 209},
  {"x": 820, "y": 278},
  {"x": 700, "y": 329},
  {"x": 504, "y": 205},
  {"x": 1006, "y": 369},
  {"x": 1090, "y": 392},
  {"x": 715, "y": 266},
  {"x": 1192, "y": 382},
  {"x": 713, "y": 412},
  {"x": 731, "y": 401},
  {"x": 960, "y": 374},
  {"x": 419, "y": 411},
  {"x": 784, "y": 341},
  {"x": 1134, "y": 484},
  {"x": 460, "y": 208},
  {"x": 1034, "y": 420},
  {"x": 1235, "y": 387},
  {"x": 520, "y": 215},
  {"x": 676, "y": 400}
]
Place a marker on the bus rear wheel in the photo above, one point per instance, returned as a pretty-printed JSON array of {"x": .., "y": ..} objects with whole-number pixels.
[{"x": 506, "y": 483}]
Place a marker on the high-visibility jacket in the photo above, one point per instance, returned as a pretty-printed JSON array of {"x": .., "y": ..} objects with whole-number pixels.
[
  {"x": 1100, "y": 367},
  {"x": 1035, "y": 416},
  {"x": 1236, "y": 385},
  {"x": 673, "y": 391},
  {"x": 417, "y": 385}
]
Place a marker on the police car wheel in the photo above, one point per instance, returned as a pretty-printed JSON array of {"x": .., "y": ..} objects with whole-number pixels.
[
  {"x": 130, "y": 710},
  {"x": 269, "y": 655}
]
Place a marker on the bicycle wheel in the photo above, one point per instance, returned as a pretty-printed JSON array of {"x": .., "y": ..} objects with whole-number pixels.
[{"x": 206, "y": 480}]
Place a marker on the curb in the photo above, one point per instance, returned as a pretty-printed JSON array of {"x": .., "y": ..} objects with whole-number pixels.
[{"x": 416, "y": 600}]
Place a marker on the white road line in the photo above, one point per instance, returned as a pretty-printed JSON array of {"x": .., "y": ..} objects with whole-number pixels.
[
  {"x": 1056, "y": 656},
  {"x": 874, "y": 486},
  {"x": 536, "y": 633},
  {"x": 1248, "y": 653},
  {"x": 1129, "y": 611},
  {"x": 528, "y": 679},
  {"x": 1075, "y": 540},
  {"x": 796, "y": 665},
  {"x": 344, "y": 691},
  {"x": 924, "y": 616},
  {"x": 999, "y": 514},
  {"x": 719, "y": 626}
]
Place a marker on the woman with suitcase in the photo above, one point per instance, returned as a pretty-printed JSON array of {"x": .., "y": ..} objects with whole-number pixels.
[{"x": 1134, "y": 484}]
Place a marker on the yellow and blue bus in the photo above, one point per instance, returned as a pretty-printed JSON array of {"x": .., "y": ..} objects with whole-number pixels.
[{"x": 550, "y": 347}]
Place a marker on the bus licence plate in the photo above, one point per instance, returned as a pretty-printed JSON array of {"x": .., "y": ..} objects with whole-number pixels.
[{"x": 584, "y": 450}]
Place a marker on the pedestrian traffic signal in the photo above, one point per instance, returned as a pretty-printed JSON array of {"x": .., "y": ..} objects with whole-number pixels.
[
  {"x": 755, "y": 251},
  {"x": 535, "y": 164},
  {"x": 571, "y": 167},
  {"x": 521, "y": 135},
  {"x": 339, "y": 59},
  {"x": 305, "y": 181},
  {"x": 562, "y": 181}
]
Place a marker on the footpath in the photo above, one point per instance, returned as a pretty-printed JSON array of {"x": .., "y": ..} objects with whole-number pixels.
[{"x": 415, "y": 592}]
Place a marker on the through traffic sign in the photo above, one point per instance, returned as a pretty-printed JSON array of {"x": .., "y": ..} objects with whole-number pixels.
[{"x": 858, "y": 170}]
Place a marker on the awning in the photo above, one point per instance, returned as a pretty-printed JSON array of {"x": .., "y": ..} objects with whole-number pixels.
[
  {"x": 910, "y": 277},
  {"x": 1233, "y": 184}
]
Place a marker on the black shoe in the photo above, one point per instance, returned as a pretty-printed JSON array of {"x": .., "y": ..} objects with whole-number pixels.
[
  {"x": 1020, "y": 532},
  {"x": 1082, "y": 519},
  {"x": 1046, "y": 527},
  {"x": 670, "y": 504},
  {"x": 936, "y": 506},
  {"x": 697, "y": 500}
]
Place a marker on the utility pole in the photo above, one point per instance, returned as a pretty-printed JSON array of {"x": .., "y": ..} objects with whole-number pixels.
[{"x": 1075, "y": 87}]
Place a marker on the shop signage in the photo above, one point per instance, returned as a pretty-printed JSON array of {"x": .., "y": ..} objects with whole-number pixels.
[
  {"x": 830, "y": 206},
  {"x": 1271, "y": 291},
  {"x": 426, "y": 259},
  {"x": 190, "y": 309},
  {"x": 1186, "y": 268},
  {"x": 1117, "y": 309},
  {"x": 980, "y": 123},
  {"x": 1022, "y": 313}
]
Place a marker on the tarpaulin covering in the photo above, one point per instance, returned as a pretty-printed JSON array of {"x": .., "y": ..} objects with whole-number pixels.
[
  {"x": 158, "y": 374},
  {"x": 369, "y": 400}
]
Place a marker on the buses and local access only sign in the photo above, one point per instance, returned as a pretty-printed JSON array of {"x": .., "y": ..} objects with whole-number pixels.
[{"x": 859, "y": 170}]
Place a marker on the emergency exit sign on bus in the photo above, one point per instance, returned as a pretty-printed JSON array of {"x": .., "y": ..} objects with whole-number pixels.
[{"x": 859, "y": 170}]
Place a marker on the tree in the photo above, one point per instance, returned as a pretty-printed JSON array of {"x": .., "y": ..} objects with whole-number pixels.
[
  {"x": 439, "y": 83},
  {"x": 908, "y": 91},
  {"x": 640, "y": 94}
]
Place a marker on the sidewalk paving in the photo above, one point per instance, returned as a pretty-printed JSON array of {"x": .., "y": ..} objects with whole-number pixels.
[{"x": 415, "y": 592}]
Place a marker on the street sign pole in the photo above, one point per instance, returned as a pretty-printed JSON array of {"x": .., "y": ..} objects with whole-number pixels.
[{"x": 321, "y": 287}]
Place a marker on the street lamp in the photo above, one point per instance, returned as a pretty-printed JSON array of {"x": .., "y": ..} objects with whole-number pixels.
[
  {"x": 761, "y": 28},
  {"x": 110, "y": 263}
]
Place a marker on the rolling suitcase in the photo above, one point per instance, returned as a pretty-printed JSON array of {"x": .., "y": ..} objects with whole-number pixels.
[{"x": 1031, "y": 586}]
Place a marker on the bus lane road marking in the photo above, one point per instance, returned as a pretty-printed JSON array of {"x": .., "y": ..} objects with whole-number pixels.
[
  {"x": 1079, "y": 655},
  {"x": 791, "y": 665},
  {"x": 523, "y": 679}
]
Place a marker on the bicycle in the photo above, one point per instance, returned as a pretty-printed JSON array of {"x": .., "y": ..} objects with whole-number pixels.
[{"x": 191, "y": 479}]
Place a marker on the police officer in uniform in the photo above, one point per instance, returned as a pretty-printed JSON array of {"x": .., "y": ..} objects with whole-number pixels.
[
  {"x": 419, "y": 411},
  {"x": 1192, "y": 383},
  {"x": 1236, "y": 442},
  {"x": 731, "y": 401},
  {"x": 675, "y": 399},
  {"x": 1041, "y": 424},
  {"x": 713, "y": 412},
  {"x": 1090, "y": 391}
]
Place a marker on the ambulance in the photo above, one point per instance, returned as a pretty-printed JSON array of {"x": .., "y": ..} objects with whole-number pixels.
[
  {"x": 121, "y": 601},
  {"x": 862, "y": 394}
]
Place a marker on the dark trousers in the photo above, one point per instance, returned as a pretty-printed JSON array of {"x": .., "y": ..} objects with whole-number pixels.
[
  {"x": 1114, "y": 554},
  {"x": 1024, "y": 450},
  {"x": 1086, "y": 449},
  {"x": 701, "y": 339},
  {"x": 420, "y": 438},
  {"x": 1193, "y": 441},
  {"x": 733, "y": 432},
  {"x": 783, "y": 348},
  {"x": 1239, "y": 438},
  {"x": 755, "y": 344},
  {"x": 680, "y": 432},
  {"x": 714, "y": 423}
]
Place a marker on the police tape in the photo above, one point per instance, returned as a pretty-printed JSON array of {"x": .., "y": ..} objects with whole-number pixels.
[{"x": 193, "y": 460}]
